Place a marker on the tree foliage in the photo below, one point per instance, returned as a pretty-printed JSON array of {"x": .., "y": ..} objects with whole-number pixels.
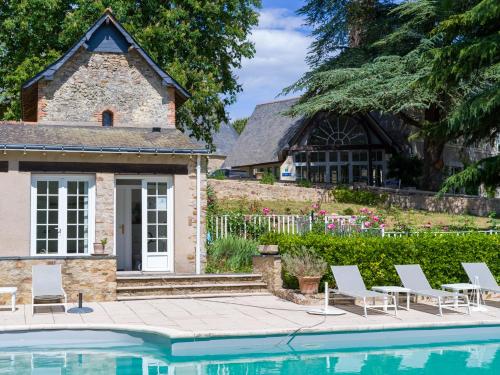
[
  {"x": 198, "y": 42},
  {"x": 239, "y": 124},
  {"x": 421, "y": 69}
]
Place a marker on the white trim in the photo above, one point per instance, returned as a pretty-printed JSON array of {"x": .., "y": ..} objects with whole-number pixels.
[
  {"x": 62, "y": 180},
  {"x": 198, "y": 215}
]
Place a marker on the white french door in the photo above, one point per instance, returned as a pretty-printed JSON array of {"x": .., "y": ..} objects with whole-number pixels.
[
  {"x": 157, "y": 224},
  {"x": 62, "y": 215}
]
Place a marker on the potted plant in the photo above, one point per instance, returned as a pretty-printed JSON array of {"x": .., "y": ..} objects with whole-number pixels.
[
  {"x": 307, "y": 267},
  {"x": 100, "y": 247}
]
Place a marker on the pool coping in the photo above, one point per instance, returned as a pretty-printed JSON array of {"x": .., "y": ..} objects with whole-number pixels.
[{"x": 173, "y": 333}]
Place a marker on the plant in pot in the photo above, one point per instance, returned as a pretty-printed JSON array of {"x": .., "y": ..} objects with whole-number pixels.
[
  {"x": 100, "y": 247},
  {"x": 307, "y": 267}
]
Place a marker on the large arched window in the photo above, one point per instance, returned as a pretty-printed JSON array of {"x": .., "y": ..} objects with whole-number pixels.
[
  {"x": 338, "y": 131},
  {"x": 107, "y": 118}
]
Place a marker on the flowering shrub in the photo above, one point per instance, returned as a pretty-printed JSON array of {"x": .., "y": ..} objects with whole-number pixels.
[{"x": 369, "y": 219}]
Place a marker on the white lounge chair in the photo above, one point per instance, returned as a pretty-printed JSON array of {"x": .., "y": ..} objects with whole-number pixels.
[
  {"x": 414, "y": 279},
  {"x": 350, "y": 283},
  {"x": 47, "y": 285},
  {"x": 480, "y": 274}
]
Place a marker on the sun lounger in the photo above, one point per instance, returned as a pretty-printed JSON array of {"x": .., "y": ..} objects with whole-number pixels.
[
  {"x": 47, "y": 286},
  {"x": 480, "y": 274}
]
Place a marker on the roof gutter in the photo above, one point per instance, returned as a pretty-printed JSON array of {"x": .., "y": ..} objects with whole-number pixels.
[{"x": 94, "y": 149}]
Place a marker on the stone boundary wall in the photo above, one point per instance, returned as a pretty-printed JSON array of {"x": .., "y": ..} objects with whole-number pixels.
[
  {"x": 94, "y": 276},
  {"x": 253, "y": 190},
  {"x": 405, "y": 199},
  {"x": 427, "y": 200}
]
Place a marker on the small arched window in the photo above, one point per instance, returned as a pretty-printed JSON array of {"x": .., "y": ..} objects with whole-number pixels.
[{"x": 107, "y": 118}]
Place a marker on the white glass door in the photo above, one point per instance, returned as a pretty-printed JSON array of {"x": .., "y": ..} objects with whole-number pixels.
[
  {"x": 157, "y": 224},
  {"x": 62, "y": 215}
]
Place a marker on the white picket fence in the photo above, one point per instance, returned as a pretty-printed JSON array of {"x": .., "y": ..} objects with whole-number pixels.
[
  {"x": 248, "y": 225},
  {"x": 222, "y": 225}
]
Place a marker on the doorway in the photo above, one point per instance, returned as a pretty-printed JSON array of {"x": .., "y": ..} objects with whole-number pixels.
[
  {"x": 128, "y": 225},
  {"x": 144, "y": 223}
]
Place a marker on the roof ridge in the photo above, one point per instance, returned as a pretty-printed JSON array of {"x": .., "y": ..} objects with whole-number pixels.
[{"x": 278, "y": 101}]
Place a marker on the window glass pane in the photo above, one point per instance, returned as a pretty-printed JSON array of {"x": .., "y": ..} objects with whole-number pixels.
[
  {"x": 344, "y": 174},
  {"x": 41, "y": 217},
  {"x": 53, "y": 231},
  {"x": 81, "y": 246},
  {"x": 71, "y": 232},
  {"x": 360, "y": 173},
  {"x": 72, "y": 217},
  {"x": 162, "y": 231},
  {"x": 334, "y": 178},
  {"x": 152, "y": 217},
  {"x": 41, "y": 247},
  {"x": 53, "y": 202},
  {"x": 72, "y": 187},
  {"x": 151, "y": 203},
  {"x": 71, "y": 246},
  {"x": 152, "y": 246},
  {"x": 52, "y": 248},
  {"x": 344, "y": 156},
  {"x": 41, "y": 187},
  {"x": 72, "y": 203},
  {"x": 162, "y": 245},
  {"x": 53, "y": 187},
  {"x": 162, "y": 189},
  {"x": 162, "y": 217},
  {"x": 41, "y": 231},
  {"x": 151, "y": 188},
  {"x": 151, "y": 231},
  {"x": 53, "y": 217},
  {"x": 41, "y": 202},
  {"x": 333, "y": 156}
]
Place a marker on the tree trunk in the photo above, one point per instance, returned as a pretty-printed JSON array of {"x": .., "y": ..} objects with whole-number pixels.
[
  {"x": 360, "y": 13},
  {"x": 432, "y": 176}
]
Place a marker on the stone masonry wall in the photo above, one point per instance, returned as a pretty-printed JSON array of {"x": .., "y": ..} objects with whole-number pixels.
[
  {"x": 91, "y": 83},
  {"x": 94, "y": 276},
  {"x": 253, "y": 190},
  {"x": 104, "y": 208},
  {"x": 405, "y": 199}
]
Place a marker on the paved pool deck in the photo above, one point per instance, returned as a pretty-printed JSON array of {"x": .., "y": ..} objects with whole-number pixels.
[{"x": 230, "y": 316}]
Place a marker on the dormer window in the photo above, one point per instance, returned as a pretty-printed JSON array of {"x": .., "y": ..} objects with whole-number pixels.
[{"x": 107, "y": 119}]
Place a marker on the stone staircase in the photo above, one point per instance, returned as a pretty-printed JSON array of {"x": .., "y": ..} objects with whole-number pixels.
[{"x": 139, "y": 285}]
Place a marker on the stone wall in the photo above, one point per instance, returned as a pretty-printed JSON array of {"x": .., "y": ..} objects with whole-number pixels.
[
  {"x": 253, "y": 190},
  {"x": 90, "y": 83},
  {"x": 427, "y": 200},
  {"x": 94, "y": 276},
  {"x": 104, "y": 208},
  {"x": 405, "y": 199}
]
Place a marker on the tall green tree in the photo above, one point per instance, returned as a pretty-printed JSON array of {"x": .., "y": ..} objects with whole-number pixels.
[
  {"x": 390, "y": 80},
  {"x": 468, "y": 60},
  {"x": 239, "y": 124},
  {"x": 198, "y": 42}
]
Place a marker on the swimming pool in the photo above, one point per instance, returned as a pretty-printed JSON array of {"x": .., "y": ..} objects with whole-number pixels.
[{"x": 464, "y": 350}]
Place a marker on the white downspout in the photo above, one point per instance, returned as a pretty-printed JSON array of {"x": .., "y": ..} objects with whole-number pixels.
[{"x": 198, "y": 214}]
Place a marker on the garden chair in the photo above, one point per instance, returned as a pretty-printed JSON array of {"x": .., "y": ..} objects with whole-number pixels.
[
  {"x": 350, "y": 283},
  {"x": 47, "y": 286},
  {"x": 480, "y": 274},
  {"x": 414, "y": 279}
]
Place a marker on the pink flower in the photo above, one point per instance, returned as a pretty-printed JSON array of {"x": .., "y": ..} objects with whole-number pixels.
[
  {"x": 364, "y": 210},
  {"x": 368, "y": 224},
  {"x": 322, "y": 212},
  {"x": 331, "y": 226},
  {"x": 315, "y": 206},
  {"x": 382, "y": 226},
  {"x": 375, "y": 218},
  {"x": 266, "y": 211}
]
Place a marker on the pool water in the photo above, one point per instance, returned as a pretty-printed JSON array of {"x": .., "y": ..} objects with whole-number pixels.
[{"x": 467, "y": 350}]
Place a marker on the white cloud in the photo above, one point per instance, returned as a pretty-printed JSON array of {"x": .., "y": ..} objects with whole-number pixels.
[{"x": 281, "y": 47}]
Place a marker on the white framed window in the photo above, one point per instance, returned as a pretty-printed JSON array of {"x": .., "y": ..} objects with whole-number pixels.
[{"x": 62, "y": 214}]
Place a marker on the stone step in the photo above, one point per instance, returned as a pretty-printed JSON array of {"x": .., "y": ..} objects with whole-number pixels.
[
  {"x": 179, "y": 289},
  {"x": 195, "y": 295},
  {"x": 128, "y": 280}
]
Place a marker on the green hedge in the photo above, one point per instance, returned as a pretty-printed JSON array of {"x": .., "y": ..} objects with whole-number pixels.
[{"x": 439, "y": 255}]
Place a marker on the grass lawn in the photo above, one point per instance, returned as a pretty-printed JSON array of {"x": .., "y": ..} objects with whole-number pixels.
[{"x": 394, "y": 218}]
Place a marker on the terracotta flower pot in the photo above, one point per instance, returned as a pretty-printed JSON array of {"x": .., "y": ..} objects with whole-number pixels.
[
  {"x": 309, "y": 284},
  {"x": 98, "y": 248}
]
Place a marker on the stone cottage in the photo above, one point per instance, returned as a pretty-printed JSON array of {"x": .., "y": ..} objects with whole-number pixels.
[{"x": 97, "y": 162}]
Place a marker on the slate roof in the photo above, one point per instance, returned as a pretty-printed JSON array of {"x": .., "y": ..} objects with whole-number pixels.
[
  {"x": 20, "y": 136},
  {"x": 266, "y": 134},
  {"x": 224, "y": 140},
  {"x": 88, "y": 41}
]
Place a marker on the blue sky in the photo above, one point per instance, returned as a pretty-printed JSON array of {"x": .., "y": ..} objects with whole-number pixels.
[{"x": 281, "y": 43}]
